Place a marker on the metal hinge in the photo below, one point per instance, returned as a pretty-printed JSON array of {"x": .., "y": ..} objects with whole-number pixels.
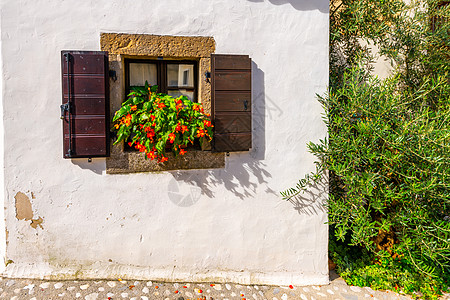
[{"x": 64, "y": 107}]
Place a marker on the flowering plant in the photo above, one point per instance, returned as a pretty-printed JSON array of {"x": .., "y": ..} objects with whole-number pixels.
[{"x": 151, "y": 121}]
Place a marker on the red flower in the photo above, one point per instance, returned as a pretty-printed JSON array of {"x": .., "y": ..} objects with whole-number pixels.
[
  {"x": 163, "y": 159},
  {"x": 178, "y": 128},
  {"x": 151, "y": 155},
  {"x": 150, "y": 131},
  {"x": 152, "y": 117},
  {"x": 184, "y": 128},
  {"x": 171, "y": 137},
  {"x": 140, "y": 147},
  {"x": 161, "y": 105},
  {"x": 182, "y": 151},
  {"x": 196, "y": 107},
  {"x": 133, "y": 108},
  {"x": 200, "y": 133},
  {"x": 179, "y": 104},
  {"x": 207, "y": 123},
  {"x": 127, "y": 120}
]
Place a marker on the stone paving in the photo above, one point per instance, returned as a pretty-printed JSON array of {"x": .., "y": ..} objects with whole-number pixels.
[{"x": 18, "y": 289}]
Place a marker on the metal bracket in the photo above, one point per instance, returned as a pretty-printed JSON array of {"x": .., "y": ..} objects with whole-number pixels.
[
  {"x": 67, "y": 56},
  {"x": 207, "y": 76},
  {"x": 64, "y": 107},
  {"x": 112, "y": 75}
]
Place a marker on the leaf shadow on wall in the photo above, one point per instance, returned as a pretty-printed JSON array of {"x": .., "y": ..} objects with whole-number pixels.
[
  {"x": 313, "y": 200},
  {"x": 244, "y": 171},
  {"x": 303, "y": 5}
]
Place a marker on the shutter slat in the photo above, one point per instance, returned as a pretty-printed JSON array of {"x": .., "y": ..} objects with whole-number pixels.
[
  {"x": 86, "y": 130},
  {"x": 229, "y": 122},
  {"x": 81, "y": 85},
  {"x": 231, "y": 102},
  {"x": 232, "y": 80},
  {"x": 86, "y": 145},
  {"x": 232, "y": 141},
  {"x": 88, "y": 105},
  {"x": 232, "y": 62},
  {"x": 92, "y": 125}
]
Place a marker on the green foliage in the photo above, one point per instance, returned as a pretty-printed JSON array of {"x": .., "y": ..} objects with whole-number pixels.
[
  {"x": 356, "y": 266},
  {"x": 388, "y": 149},
  {"x": 155, "y": 121}
]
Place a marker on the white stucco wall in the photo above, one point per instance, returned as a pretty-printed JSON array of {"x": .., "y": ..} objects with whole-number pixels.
[
  {"x": 98, "y": 225},
  {"x": 2, "y": 168}
]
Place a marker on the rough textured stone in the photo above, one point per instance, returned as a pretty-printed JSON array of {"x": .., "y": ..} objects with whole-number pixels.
[
  {"x": 157, "y": 45},
  {"x": 127, "y": 162},
  {"x": 120, "y": 46},
  {"x": 205, "y": 86}
]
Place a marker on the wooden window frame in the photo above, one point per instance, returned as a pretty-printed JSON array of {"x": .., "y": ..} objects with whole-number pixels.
[{"x": 161, "y": 69}]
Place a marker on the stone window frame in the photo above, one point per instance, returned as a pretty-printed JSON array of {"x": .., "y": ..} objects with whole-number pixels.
[{"x": 146, "y": 46}]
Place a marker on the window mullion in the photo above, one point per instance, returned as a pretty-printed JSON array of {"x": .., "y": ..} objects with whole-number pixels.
[
  {"x": 164, "y": 77},
  {"x": 159, "y": 77}
]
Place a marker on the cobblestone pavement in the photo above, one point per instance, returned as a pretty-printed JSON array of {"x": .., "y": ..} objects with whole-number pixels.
[{"x": 18, "y": 289}]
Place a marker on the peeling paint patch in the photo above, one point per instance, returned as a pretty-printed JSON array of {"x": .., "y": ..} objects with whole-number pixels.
[
  {"x": 24, "y": 211},
  {"x": 23, "y": 207},
  {"x": 37, "y": 222}
]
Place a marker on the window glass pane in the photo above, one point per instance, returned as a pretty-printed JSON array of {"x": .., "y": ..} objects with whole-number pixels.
[
  {"x": 180, "y": 75},
  {"x": 178, "y": 93},
  {"x": 139, "y": 73}
]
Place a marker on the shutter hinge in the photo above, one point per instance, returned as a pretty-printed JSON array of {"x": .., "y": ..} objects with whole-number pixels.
[{"x": 64, "y": 107}]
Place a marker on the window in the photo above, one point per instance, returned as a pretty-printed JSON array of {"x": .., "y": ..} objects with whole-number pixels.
[
  {"x": 173, "y": 77},
  {"x": 185, "y": 59}
]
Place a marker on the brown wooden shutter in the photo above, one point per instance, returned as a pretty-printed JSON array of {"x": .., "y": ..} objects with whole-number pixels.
[
  {"x": 85, "y": 109},
  {"x": 231, "y": 95}
]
